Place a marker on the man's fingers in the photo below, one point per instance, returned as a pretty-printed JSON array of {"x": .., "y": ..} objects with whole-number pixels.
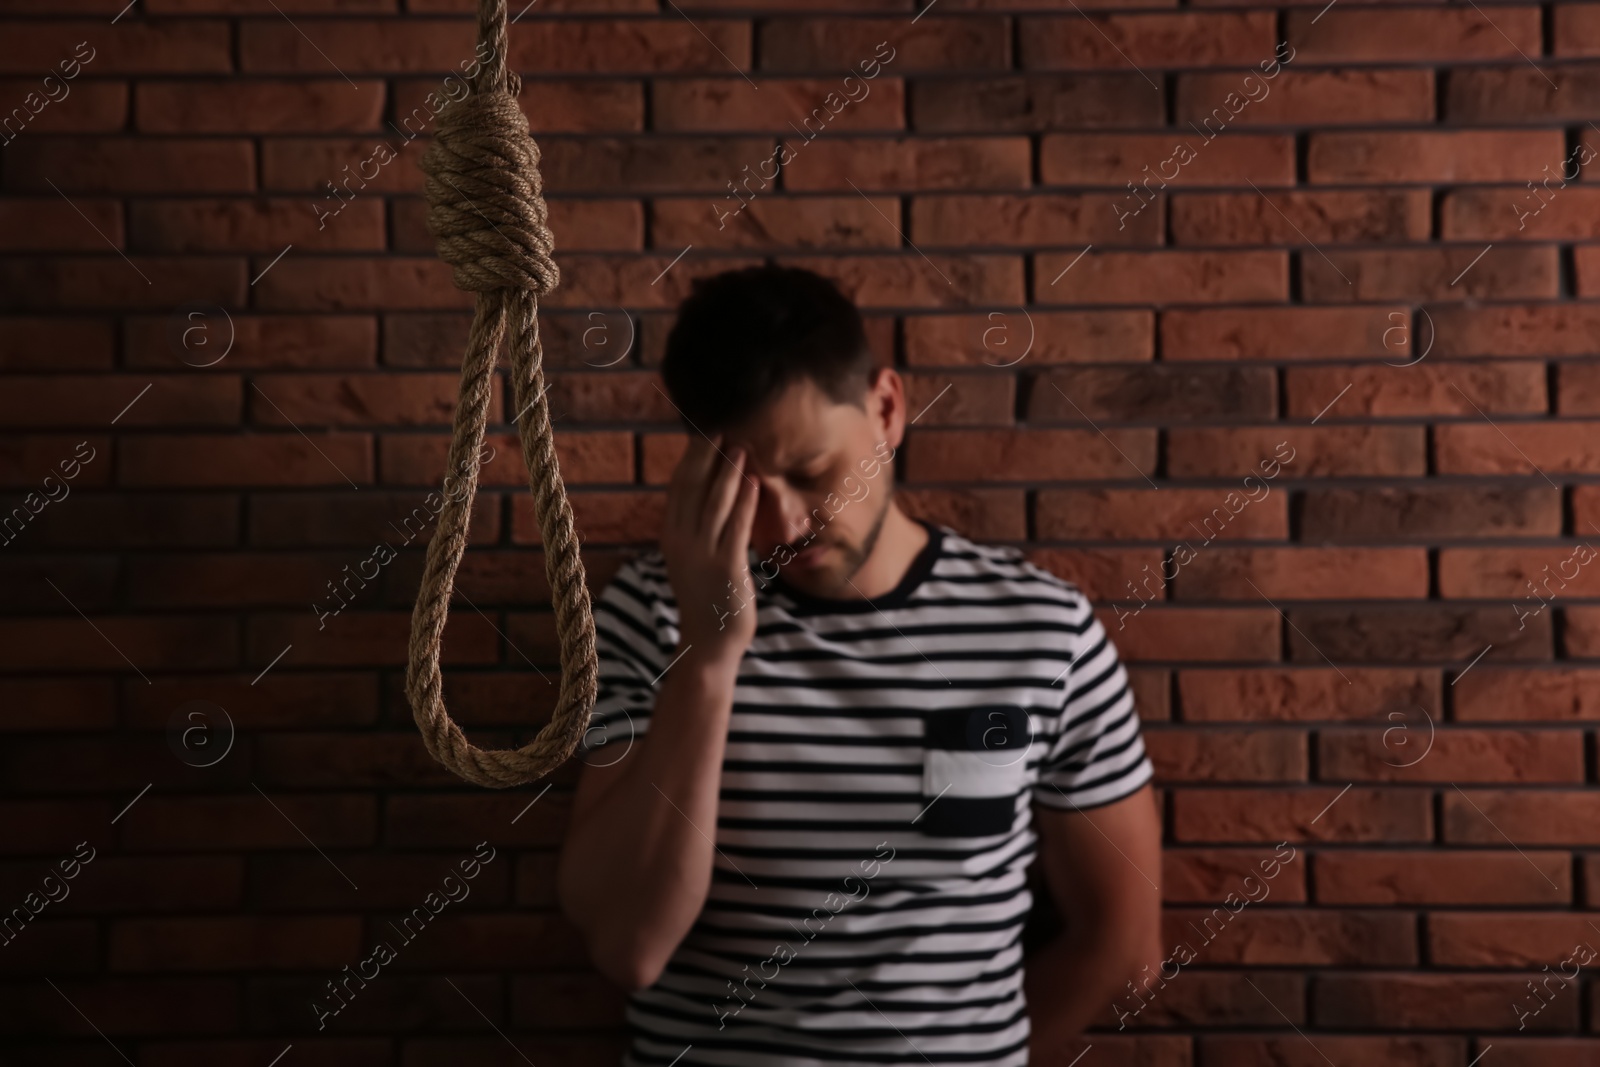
[
  {"x": 730, "y": 474},
  {"x": 686, "y": 489},
  {"x": 736, "y": 533}
]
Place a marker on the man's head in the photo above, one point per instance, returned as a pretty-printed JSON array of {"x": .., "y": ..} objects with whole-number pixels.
[{"x": 776, "y": 359}]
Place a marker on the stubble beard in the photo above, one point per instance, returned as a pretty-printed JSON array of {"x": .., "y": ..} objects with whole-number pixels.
[{"x": 832, "y": 581}]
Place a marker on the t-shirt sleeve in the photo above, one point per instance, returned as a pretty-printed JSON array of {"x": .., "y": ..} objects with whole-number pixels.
[
  {"x": 630, "y": 659},
  {"x": 1094, "y": 753}
]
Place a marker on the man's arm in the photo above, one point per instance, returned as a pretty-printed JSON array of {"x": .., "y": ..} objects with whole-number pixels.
[
  {"x": 1103, "y": 868},
  {"x": 635, "y": 867}
]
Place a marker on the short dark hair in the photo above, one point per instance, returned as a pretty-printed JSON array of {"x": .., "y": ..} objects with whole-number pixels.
[{"x": 743, "y": 337}]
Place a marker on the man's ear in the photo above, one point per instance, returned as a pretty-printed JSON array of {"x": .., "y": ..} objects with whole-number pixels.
[{"x": 887, "y": 405}]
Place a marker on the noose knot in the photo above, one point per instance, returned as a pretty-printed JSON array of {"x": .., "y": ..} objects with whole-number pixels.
[{"x": 486, "y": 206}]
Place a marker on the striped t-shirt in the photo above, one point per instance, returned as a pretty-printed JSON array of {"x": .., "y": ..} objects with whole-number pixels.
[{"x": 874, "y": 829}]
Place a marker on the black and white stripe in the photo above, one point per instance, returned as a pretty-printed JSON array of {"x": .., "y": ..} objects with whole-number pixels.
[{"x": 911, "y": 733}]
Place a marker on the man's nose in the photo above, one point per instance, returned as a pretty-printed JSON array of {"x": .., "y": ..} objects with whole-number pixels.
[{"x": 781, "y": 516}]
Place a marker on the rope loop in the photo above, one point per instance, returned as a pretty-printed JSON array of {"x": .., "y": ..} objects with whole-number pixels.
[{"x": 486, "y": 211}]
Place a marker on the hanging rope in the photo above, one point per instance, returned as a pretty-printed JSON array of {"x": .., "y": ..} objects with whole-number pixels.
[{"x": 486, "y": 212}]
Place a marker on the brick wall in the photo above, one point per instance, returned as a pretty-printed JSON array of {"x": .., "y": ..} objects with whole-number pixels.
[{"x": 1363, "y": 278}]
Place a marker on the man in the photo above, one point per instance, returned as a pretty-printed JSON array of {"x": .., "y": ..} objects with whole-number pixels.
[{"x": 831, "y": 738}]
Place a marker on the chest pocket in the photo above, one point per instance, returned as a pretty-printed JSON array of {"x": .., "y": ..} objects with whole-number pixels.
[{"x": 974, "y": 763}]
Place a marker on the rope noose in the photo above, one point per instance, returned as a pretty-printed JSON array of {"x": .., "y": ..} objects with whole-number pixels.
[{"x": 486, "y": 211}]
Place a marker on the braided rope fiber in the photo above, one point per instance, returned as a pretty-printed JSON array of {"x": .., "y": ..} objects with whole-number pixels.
[{"x": 487, "y": 215}]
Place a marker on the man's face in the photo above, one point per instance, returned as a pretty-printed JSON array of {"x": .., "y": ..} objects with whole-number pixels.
[{"x": 826, "y": 478}]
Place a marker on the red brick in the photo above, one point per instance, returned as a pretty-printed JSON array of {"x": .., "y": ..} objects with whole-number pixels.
[
  {"x": 231, "y": 579},
  {"x": 1120, "y": 158},
  {"x": 117, "y": 885},
  {"x": 1505, "y": 694},
  {"x": 144, "y": 1005},
  {"x": 1285, "y": 936},
  {"x": 1411, "y": 749},
  {"x": 1576, "y": 30},
  {"x": 149, "y": 643},
  {"x": 584, "y": 457},
  {"x": 657, "y": 281},
  {"x": 1005, "y": 338},
  {"x": 1282, "y": 333},
  {"x": 1185, "y": 756},
  {"x": 276, "y": 459},
  {"x": 1586, "y": 265},
  {"x": 94, "y": 105},
  {"x": 921, "y": 163},
  {"x": 1511, "y": 92},
  {"x": 1313, "y": 452},
  {"x": 301, "y": 519},
  {"x": 624, "y": 517},
  {"x": 918, "y": 281},
  {"x": 398, "y": 881},
  {"x": 1186, "y": 39},
  {"x": 1241, "y": 815},
  {"x": 1265, "y": 1050},
  {"x": 1226, "y": 999},
  {"x": 39, "y": 224},
  {"x": 1544, "y": 1052},
  {"x": 1173, "y": 277},
  {"x": 851, "y": 222},
  {"x": 1546, "y": 212},
  {"x": 987, "y": 514},
  {"x": 73, "y": 400},
  {"x": 137, "y": 46},
  {"x": 1415, "y": 35},
  {"x": 367, "y": 46},
  {"x": 1581, "y": 632},
  {"x": 1102, "y": 574},
  {"x": 1546, "y": 817},
  {"x": 1255, "y": 218},
  {"x": 1167, "y": 515},
  {"x": 1309, "y": 573},
  {"x": 361, "y": 637},
  {"x": 279, "y": 400},
  {"x": 142, "y": 520},
  {"x": 1018, "y": 455},
  {"x": 1430, "y": 513},
  {"x": 104, "y": 282},
  {"x": 258, "y": 106},
  {"x": 281, "y": 342},
  {"x": 835, "y": 44},
  {"x": 232, "y": 942},
  {"x": 1157, "y": 392},
  {"x": 1506, "y": 272},
  {"x": 1457, "y": 876},
  {"x": 777, "y": 105},
  {"x": 1177, "y": 634},
  {"x": 1359, "y": 96},
  {"x": 1564, "y": 447},
  {"x": 1501, "y": 939},
  {"x": 1034, "y": 103},
  {"x": 1207, "y": 875},
  {"x": 1468, "y": 389},
  {"x": 163, "y": 165},
  {"x": 55, "y": 343},
  {"x": 1427, "y": 632},
  {"x": 655, "y": 164},
  {"x": 294, "y": 700},
  {"x": 255, "y": 225},
  {"x": 1028, "y": 221},
  {"x": 1529, "y": 577},
  {"x": 1443, "y": 156}
]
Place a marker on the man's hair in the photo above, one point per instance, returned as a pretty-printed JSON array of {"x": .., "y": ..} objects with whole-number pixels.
[{"x": 744, "y": 336}]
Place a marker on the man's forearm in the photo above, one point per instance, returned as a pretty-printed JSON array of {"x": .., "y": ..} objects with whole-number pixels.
[
  {"x": 1068, "y": 983},
  {"x": 636, "y": 869}
]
